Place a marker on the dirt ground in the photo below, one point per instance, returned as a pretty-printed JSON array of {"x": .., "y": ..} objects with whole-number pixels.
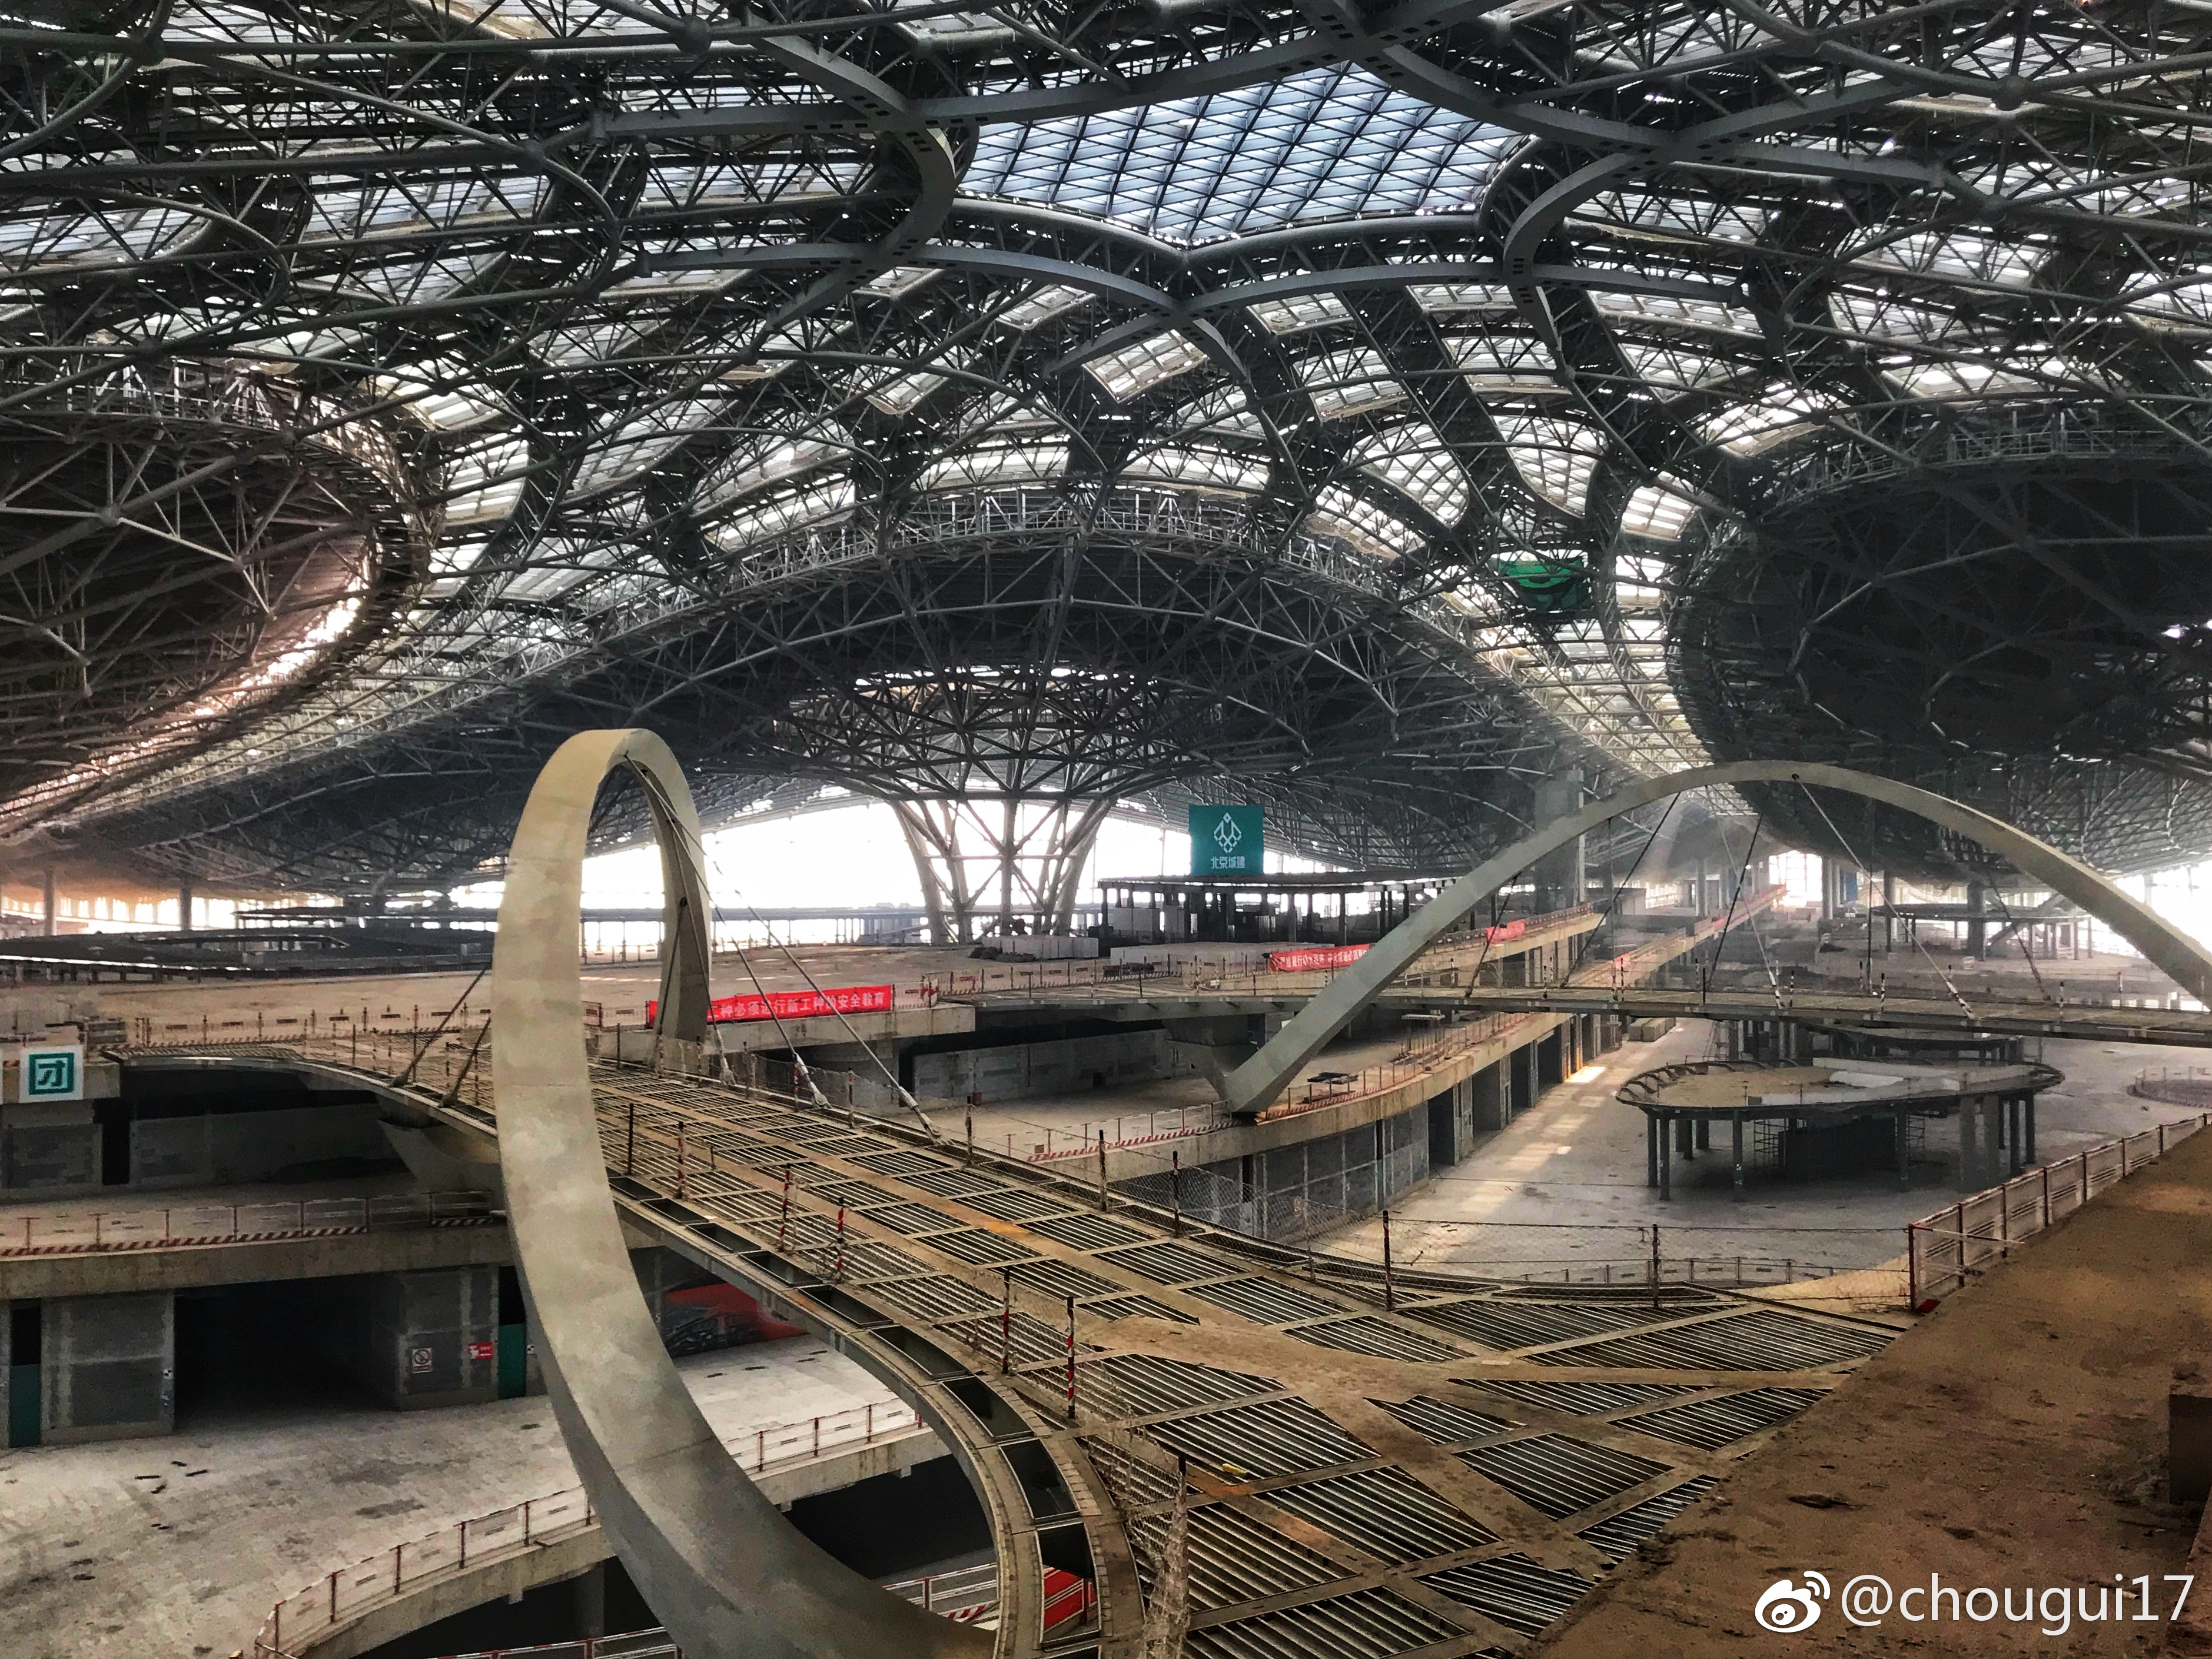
[{"x": 2015, "y": 1439}]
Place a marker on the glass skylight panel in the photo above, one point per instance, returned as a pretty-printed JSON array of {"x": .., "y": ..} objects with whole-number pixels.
[
  {"x": 1323, "y": 143},
  {"x": 1339, "y": 514},
  {"x": 986, "y": 464},
  {"x": 444, "y": 408},
  {"x": 404, "y": 281},
  {"x": 1414, "y": 460},
  {"x": 817, "y": 504},
  {"x": 1669, "y": 363},
  {"x": 450, "y": 565},
  {"x": 673, "y": 186},
  {"x": 638, "y": 446},
  {"x": 1682, "y": 312},
  {"x": 1137, "y": 368},
  {"x": 1677, "y": 216},
  {"x": 2186, "y": 308},
  {"x": 1960, "y": 254},
  {"x": 341, "y": 209},
  {"x": 1883, "y": 316},
  {"x": 1782, "y": 414},
  {"x": 594, "y": 342},
  {"x": 1955, "y": 380},
  {"x": 1041, "y": 306},
  {"x": 1299, "y": 313},
  {"x": 113, "y": 236},
  {"x": 1349, "y": 382},
  {"x": 486, "y": 479},
  {"x": 1448, "y": 299},
  {"x": 1222, "y": 410},
  {"x": 1199, "y": 468},
  {"x": 903, "y": 393},
  {"x": 1505, "y": 364},
  {"x": 1555, "y": 457},
  {"x": 900, "y": 280},
  {"x": 757, "y": 468},
  {"x": 1657, "y": 514}
]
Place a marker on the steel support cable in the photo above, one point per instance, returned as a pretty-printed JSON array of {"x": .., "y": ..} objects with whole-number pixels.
[
  {"x": 1956, "y": 995},
  {"x": 1720, "y": 944},
  {"x": 1612, "y": 899}
]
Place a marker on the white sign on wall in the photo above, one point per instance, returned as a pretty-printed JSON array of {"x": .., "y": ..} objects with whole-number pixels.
[{"x": 51, "y": 1070}]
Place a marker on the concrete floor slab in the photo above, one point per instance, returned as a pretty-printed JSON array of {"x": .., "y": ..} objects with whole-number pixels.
[{"x": 178, "y": 1547}]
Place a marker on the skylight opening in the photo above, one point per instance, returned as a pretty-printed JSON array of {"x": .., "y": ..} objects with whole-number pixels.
[
  {"x": 1134, "y": 369},
  {"x": 757, "y": 469},
  {"x": 1960, "y": 254},
  {"x": 1668, "y": 364},
  {"x": 1414, "y": 461},
  {"x": 1556, "y": 457},
  {"x": 1505, "y": 365},
  {"x": 635, "y": 448},
  {"x": 1042, "y": 305},
  {"x": 1299, "y": 313},
  {"x": 1657, "y": 512},
  {"x": 899, "y": 281},
  {"x": 487, "y": 480},
  {"x": 1955, "y": 379},
  {"x": 1680, "y": 311},
  {"x": 1749, "y": 428},
  {"x": 1355, "y": 381},
  {"x": 904, "y": 394},
  {"x": 1360, "y": 526},
  {"x": 1198, "y": 469},
  {"x": 1459, "y": 298},
  {"x": 988, "y": 465},
  {"x": 817, "y": 504}
]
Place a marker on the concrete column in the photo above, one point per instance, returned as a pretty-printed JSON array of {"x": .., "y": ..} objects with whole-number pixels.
[
  {"x": 2027, "y": 1130},
  {"x": 1977, "y": 929},
  {"x": 1904, "y": 1167},
  {"x": 1889, "y": 923},
  {"x": 1559, "y": 877},
  {"x": 109, "y": 1369},
  {"x": 1980, "y": 1160},
  {"x": 423, "y": 1339},
  {"x": 185, "y": 905},
  {"x": 53, "y": 905},
  {"x": 1667, "y": 1159},
  {"x": 1735, "y": 1137},
  {"x": 1651, "y": 1133}
]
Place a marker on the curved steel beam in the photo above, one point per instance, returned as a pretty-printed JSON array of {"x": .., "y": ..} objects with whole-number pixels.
[
  {"x": 1259, "y": 1080},
  {"x": 728, "y": 1575}
]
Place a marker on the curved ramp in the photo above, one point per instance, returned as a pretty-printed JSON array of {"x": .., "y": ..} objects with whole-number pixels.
[
  {"x": 727, "y": 1574},
  {"x": 1261, "y": 1079}
]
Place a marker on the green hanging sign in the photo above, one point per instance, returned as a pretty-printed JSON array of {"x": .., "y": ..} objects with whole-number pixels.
[{"x": 1227, "y": 841}]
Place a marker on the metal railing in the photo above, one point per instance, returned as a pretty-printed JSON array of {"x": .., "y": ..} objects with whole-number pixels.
[
  {"x": 350, "y": 1592},
  {"x": 65, "y": 1232},
  {"x": 2177, "y": 1085},
  {"x": 1948, "y": 1249}
]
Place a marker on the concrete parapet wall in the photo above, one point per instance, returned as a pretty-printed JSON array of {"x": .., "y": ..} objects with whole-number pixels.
[
  {"x": 110, "y": 1368},
  {"x": 1023, "y": 1071}
]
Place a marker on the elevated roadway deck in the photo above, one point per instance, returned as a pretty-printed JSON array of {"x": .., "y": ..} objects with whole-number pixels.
[{"x": 1436, "y": 1466}]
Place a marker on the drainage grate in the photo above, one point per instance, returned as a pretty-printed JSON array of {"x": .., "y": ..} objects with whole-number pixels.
[
  {"x": 1085, "y": 1232},
  {"x": 901, "y": 1162},
  {"x": 1144, "y": 1385},
  {"x": 1507, "y": 1325},
  {"x": 1713, "y": 1423},
  {"x": 911, "y": 1219},
  {"x": 1011, "y": 1204},
  {"x": 972, "y": 1244},
  {"x": 1512, "y": 1589},
  {"x": 953, "y": 1183},
  {"x": 1171, "y": 1264},
  {"x": 1264, "y": 1302},
  {"x": 1558, "y": 1475},
  {"x": 1371, "y": 1623},
  {"x": 1133, "y": 1306},
  {"x": 1385, "y": 1512},
  {"x": 1229, "y": 1559},
  {"x": 868, "y": 1259},
  {"x": 744, "y": 1202},
  {"x": 1442, "y": 1421},
  {"x": 1249, "y": 1443},
  {"x": 1765, "y": 1341},
  {"x": 1051, "y": 1277},
  {"x": 1621, "y": 1535},
  {"x": 1370, "y": 1335},
  {"x": 1580, "y": 1399}
]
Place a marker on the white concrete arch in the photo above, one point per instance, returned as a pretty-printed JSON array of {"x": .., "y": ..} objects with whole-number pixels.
[
  {"x": 721, "y": 1566},
  {"x": 1257, "y": 1083}
]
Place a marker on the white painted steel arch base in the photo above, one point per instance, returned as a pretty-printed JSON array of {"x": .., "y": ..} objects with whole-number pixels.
[
  {"x": 1260, "y": 1080},
  {"x": 715, "y": 1560}
]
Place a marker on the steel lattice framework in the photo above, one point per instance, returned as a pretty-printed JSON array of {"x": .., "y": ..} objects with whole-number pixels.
[{"x": 1369, "y": 410}]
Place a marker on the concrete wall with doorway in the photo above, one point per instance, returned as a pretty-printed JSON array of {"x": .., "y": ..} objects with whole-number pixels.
[
  {"x": 1024, "y": 1070},
  {"x": 419, "y": 1339},
  {"x": 108, "y": 1368}
]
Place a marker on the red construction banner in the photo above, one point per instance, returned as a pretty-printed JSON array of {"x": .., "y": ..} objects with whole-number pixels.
[
  {"x": 1321, "y": 956},
  {"x": 1513, "y": 929},
  {"x": 792, "y": 1005}
]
